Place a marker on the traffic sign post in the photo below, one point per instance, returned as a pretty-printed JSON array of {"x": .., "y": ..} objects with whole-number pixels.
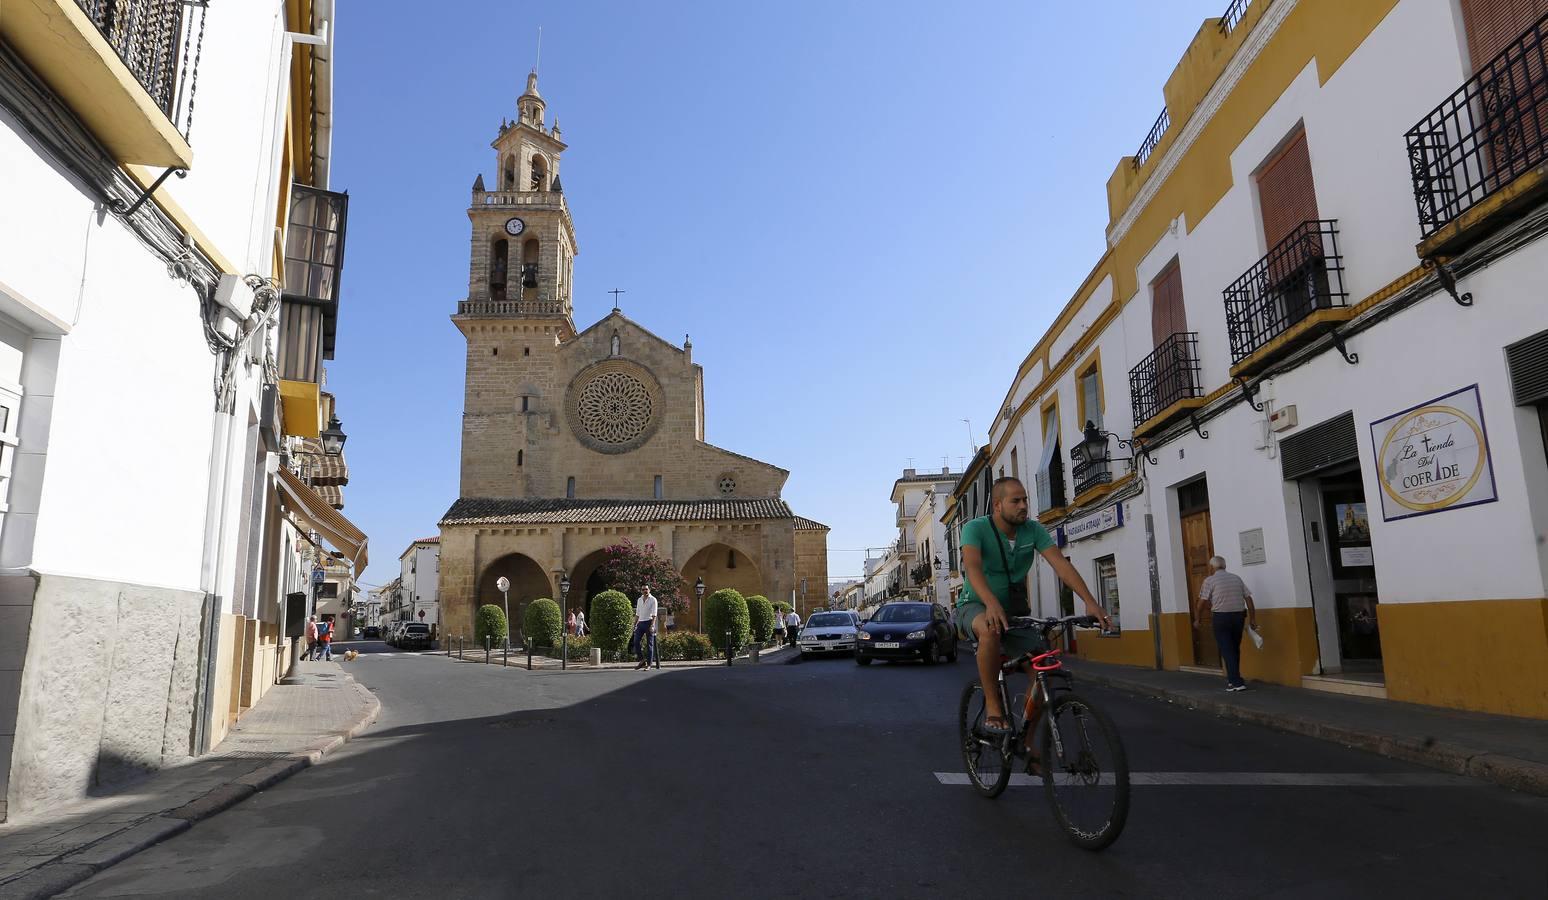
[{"x": 503, "y": 585}]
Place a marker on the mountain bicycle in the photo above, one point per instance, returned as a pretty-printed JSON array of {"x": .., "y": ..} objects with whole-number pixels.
[{"x": 1078, "y": 753}]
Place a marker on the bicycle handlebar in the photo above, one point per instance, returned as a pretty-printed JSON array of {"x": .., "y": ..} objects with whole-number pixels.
[{"x": 1052, "y": 622}]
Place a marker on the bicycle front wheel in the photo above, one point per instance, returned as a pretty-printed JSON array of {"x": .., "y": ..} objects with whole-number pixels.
[
  {"x": 1085, "y": 771},
  {"x": 987, "y": 756}
]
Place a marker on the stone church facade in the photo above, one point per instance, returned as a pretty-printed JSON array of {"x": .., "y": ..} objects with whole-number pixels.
[{"x": 575, "y": 440}]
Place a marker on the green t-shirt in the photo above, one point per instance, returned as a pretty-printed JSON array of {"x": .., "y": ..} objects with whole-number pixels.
[{"x": 1031, "y": 540}]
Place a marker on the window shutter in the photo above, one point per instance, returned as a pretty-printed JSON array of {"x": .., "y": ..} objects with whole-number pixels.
[
  {"x": 1285, "y": 191},
  {"x": 1167, "y": 316},
  {"x": 1491, "y": 24},
  {"x": 1528, "y": 364},
  {"x": 1319, "y": 446}
]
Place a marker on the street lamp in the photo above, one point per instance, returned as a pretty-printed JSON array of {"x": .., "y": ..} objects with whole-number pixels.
[
  {"x": 935, "y": 582},
  {"x": 333, "y": 437},
  {"x": 698, "y": 593},
  {"x": 564, "y": 606},
  {"x": 503, "y": 585}
]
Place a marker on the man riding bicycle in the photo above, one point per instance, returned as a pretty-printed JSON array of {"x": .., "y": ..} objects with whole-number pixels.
[{"x": 998, "y": 551}]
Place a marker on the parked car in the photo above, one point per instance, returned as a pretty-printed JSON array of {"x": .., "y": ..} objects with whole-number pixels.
[
  {"x": 394, "y": 630},
  {"x": 414, "y": 636},
  {"x": 827, "y": 632},
  {"x": 921, "y": 631},
  {"x": 372, "y": 633}
]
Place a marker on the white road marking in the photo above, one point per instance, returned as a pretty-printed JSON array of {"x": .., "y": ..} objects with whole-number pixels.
[{"x": 1256, "y": 779}]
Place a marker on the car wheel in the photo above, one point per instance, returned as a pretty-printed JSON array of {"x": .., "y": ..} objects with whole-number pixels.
[
  {"x": 929, "y": 654},
  {"x": 952, "y": 656},
  {"x": 862, "y": 660}
]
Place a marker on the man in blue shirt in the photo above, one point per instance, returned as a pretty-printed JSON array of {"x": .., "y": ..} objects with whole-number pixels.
[{"x": 998, "y": 551}]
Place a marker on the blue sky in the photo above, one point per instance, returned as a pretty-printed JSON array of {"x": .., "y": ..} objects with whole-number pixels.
[{"x": 865, "y": 214}]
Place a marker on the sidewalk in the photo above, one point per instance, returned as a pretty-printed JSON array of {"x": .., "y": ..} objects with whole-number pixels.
[
  {"x": 291, "y": 728},
  {"x": 1508, "y": 751}
]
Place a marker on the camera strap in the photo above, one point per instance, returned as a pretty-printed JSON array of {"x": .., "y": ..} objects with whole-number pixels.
[{"x": 999, "y": 543}]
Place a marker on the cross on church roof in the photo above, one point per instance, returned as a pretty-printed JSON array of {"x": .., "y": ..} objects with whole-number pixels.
[{"x": 615, "y": 292}]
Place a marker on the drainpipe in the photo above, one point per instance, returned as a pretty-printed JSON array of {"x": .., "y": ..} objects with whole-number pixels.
[{"x": 1155, "y": 574}]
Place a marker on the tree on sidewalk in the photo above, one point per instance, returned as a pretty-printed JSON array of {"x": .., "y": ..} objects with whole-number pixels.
[{"x": 629, "y": 567}]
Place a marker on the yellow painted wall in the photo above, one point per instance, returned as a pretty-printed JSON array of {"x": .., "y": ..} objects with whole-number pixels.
[
  {"x": 225, "y": 648},
  {"x": 1485, "y": 655},
  {"x": 1130, "y": 648},
  {"x": 1176, "y": 640},
  {"x": 1289, "y": 647}
]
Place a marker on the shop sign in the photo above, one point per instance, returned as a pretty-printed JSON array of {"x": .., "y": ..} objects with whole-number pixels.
[
  {"x": 1434, "y": 457},
  {"x": 1105, "y": 519}
]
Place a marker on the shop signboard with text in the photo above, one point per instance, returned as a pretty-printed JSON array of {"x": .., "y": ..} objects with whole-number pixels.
[{"x": 1433, "y": 457}]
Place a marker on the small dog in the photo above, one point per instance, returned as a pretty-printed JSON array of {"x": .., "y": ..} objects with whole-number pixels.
[{"x": 349, "y": 655}]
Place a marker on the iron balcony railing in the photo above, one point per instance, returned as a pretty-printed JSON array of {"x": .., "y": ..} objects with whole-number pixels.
[
  {"x": 1167, "y": 375},
  {"x": 1089, "y": 473},
  {"x": 1304, "y": 273},
  {"x": 1148, "y": 145},
  {"x": 509, "y": 308},
  {"x": 160, "y": 41},
  {"x": 1487, "y": 133},
  {"x": 1232, "y": 17}
]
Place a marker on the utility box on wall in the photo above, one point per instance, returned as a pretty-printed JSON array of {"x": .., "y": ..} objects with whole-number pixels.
[{"x": 1282, "y": 419}]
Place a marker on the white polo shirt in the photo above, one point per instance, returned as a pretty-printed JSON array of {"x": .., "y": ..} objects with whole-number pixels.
[{"x": 645, "y": 608}]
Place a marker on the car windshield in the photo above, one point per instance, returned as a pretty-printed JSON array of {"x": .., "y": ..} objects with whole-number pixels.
[
  {"x": 829, "y": 620},
  {"x": 903, "y": 612},
  {"x": 418, "y": 628}
]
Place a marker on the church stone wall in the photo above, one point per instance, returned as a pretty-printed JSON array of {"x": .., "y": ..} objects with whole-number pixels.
[{"x": 811, "y": 563}]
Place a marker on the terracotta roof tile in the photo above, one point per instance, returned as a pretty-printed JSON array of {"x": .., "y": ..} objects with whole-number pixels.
[
  {"x": 546, "y": 511},
  {"x": 802, "y": 523}
]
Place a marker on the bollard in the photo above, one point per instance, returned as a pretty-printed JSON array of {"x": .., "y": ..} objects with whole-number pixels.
[
  {"x": 529, "y": 654},
  {"x": 487, "y": 642},
  {"x": 459, "y": 646},
  {"x": 564, "y": 650},
  {"x": 729, "y": 652},
  {"x": 506, "y": 659}
]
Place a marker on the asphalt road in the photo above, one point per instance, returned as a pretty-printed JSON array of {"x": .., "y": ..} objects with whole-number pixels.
[{"x": 815, "y": 779}]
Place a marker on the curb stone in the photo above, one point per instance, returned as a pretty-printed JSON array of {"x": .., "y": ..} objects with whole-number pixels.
[
  {"x": 63, "y": 873},
  {"x": 1507, "y": 771}
]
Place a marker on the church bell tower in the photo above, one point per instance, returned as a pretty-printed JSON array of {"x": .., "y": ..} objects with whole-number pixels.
[
  {"x": 518, "y": 310},
  {"x": 523, "y": 239}
]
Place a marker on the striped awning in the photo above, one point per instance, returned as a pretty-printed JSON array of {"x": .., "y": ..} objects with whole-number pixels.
[{"x": 314, "y": 511}]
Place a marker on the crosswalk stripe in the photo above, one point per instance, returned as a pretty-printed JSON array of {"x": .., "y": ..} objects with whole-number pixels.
[{"x": 1254, "y": 779}]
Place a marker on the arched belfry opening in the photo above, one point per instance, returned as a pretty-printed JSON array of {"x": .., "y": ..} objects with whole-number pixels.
[
  {"x": 508, "y": 173},
  {"x": 529, "y": 263},
  {"x": 499, "y": 265},
  {"x": 539, "y": 173}
]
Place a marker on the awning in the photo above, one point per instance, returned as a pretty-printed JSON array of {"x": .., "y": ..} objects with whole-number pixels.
[{"x": 327, "y": 521}]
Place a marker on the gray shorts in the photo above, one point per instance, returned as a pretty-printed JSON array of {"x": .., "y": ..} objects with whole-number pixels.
[{"x": 1013, "y": 643}]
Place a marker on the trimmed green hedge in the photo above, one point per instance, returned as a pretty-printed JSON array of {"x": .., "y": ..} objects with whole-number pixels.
[
  {"x": 489, "y": 622},
  {"x": 726, "y": 608},
  {"x": 760, "y": 618},
  {"x": 686, "y": 645},
  {"x": 542, "y": 622},
  {"x": 611, "y": 622}
]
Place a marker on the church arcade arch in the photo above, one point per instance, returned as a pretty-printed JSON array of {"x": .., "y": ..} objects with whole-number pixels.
[
  {"x": 528, "y": 583},
  {"x": 721, "y": 566}
]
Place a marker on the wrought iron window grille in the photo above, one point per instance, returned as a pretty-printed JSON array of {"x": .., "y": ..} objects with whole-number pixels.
[
  {"x": 1302, "y": 274},
  {"x": 1233, "y": 14},
  {"x": 1491, "y": 130}
]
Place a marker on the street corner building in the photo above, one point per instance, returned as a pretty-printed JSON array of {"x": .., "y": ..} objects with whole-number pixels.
[
  {"x": 171, "y": 467},
  {"x": 1317, "y": 346},
  {"x": 574, "y": 441}
]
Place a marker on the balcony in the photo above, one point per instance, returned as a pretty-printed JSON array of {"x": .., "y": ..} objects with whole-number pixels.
[
  {"x": 127, "y": 69},
  {"x": 1291, "y": 296},
  {"x": 519, "y": 199},
  {"x": 309, "y": 308},
  {"x": 489, "y": 308},
  {"x": 1165, "y": 385},
  {"x": 1049, "y": 485},
  {"x": 1481, "y": 152}
]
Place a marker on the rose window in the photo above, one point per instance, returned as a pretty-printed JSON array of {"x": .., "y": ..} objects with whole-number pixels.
[
  {"x": 615, "y": 408},
  {"x": 727, "y": 484}
]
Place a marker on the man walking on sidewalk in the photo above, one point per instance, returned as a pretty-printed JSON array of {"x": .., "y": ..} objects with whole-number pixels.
[
  {"x": 779, "y": 628},
  {"x": 792, "y": 626},
  {"x": 644, "y": 639},
  {"x": 1230, "y": 604},
  {"x": 311, "y": 637}
]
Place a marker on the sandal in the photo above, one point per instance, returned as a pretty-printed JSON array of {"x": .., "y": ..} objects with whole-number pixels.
[{"x": 996, "y": 730}]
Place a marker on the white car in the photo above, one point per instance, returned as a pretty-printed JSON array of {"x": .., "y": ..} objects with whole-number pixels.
[{"x": 828, "y": 632}]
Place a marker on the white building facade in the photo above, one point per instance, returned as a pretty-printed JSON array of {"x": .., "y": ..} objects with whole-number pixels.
[
  {"x": 141, "y": 594},
  {"x": 1316, "y": 347},
  {"x": 419, "y": 569}
]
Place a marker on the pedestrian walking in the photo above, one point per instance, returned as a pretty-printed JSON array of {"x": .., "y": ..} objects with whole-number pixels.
[
  {"x": 1230, "y": 604},
  {"x": 325, "y": 639},
  {"x": 643, "y": 642},
  {"x": 311, "y": 637},
  {"x": 569, "y": 624},
  {"x": 580, "y": 623},
  {"x": 792, "y": 626},
  {"x": 779, "y": 629}
]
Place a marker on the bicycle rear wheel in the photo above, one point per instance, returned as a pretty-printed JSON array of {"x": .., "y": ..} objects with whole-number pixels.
[
  {"x": 1088, "y": 782},
  {"x": 987, "y": 756}
]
